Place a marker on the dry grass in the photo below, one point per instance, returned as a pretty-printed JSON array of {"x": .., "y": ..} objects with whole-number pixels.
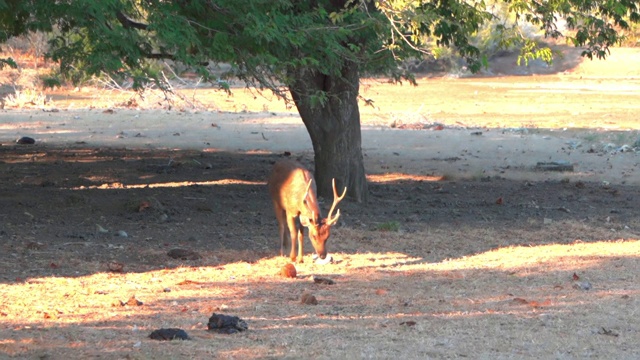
[
  {"x": 509, "y": 302},
  {"x": 26, "y": 98}
]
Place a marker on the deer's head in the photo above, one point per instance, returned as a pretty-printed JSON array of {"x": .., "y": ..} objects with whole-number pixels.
[{"x": 320, "y": 229}]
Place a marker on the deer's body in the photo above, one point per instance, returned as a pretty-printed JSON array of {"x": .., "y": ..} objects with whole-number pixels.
[{"x": 293, "y": 192}]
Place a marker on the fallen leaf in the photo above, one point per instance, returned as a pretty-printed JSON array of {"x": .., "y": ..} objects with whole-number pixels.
[
  {"x": 132, "y": 302},
  {"x": 499, "y": 201},
  {"x": 576, "y": 277}
]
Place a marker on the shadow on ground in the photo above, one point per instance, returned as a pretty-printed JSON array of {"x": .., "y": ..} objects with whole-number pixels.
[{"x": 72, "y": 211}]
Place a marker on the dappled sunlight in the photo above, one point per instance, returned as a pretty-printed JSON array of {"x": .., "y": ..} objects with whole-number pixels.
[
  {"x": 559, "y": 257},
  {"x": 533, "y": 259},
  {"x": 393, "y": 177},
  {"x": 55, "y": 300},
  {"x": 172, "y": 184},
  {"x": 380, "y": 293}
]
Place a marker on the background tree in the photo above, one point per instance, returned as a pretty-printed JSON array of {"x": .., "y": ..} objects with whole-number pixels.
[
  {"x": 13, "y": 20},
  {"x": 312, "y": 53}
]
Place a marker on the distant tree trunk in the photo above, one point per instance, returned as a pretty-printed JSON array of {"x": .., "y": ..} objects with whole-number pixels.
[{"x": 333, "y": 123}]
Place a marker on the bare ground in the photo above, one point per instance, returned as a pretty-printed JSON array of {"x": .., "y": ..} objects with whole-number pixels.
[{"x": 465, "y": 250}]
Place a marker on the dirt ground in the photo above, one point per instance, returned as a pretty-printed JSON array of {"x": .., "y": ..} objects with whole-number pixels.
[{"x": 467, "y": 248}]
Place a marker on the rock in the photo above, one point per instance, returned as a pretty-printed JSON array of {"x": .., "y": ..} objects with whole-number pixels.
[
  {"x": 25, "y": 140},
  {"x": 225, "y": 324},
  {"x": 115, "y": 266},
  {"x": 573, "y": 144},
  {"x": 169, "y": 334},
  {"x": 308, "y": 299},
  {"x": 288, "y": 271},
  {"x": 625, "y": 148},
  {"x": 582, "y": 285}
]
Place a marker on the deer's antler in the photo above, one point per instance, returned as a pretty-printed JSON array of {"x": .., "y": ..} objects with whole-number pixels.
[{"x": 336, "y": 199}]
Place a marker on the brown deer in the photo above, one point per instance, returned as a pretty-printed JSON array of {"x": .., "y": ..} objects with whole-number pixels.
[{"x": 293, "y": 192}]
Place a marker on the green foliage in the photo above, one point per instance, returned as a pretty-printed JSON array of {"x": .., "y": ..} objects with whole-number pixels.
[
  {"x": 531, "y": 51},
  {"x": 51, "y": 82},
  {"x": 7, "y": 62},
  {"x": 268, "y": 42},
  {"x": 13, "y": 15}
]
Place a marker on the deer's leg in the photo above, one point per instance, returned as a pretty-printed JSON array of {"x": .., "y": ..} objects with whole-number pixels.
[
  {"x": 281, "y": 216},
  {"x": 293, "y": 235},
  {"x": 282, "y": 224},
  {"x": 300, "y": 244}
]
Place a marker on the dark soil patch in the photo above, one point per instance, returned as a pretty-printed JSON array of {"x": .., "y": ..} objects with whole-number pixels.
[{"x": 72, "y": 211}]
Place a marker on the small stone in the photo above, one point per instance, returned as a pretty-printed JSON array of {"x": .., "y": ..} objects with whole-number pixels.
[
  {"x": 582, "y": 285},
  {"x": 25, "y": 140},
  {"x": 169, "y": 334},
  {"x": 226, "y": 324},
  {"x": 289, "y": 271},
  {"x": 308, "y": 299},
  {"x": 115, "y": 266}
]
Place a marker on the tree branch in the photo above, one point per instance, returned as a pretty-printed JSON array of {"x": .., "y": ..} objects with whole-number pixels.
[
  {"x": 128, "y": 23},
  {"x": 160, "y": 56}
]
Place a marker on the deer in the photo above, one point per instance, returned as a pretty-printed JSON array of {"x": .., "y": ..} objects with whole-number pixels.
[{"x": 293, "y": 192}]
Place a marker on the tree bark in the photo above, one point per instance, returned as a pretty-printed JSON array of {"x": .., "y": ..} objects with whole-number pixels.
[{"x": 333, "y": 124}]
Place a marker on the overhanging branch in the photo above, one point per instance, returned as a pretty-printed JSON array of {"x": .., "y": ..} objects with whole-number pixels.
[{"x": 128, "y": 23}]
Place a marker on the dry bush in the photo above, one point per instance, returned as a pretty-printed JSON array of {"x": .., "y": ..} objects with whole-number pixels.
[{"x": 26, "y": 98}]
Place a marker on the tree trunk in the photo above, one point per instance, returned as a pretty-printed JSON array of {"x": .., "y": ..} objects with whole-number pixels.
[{"x": 328, "y": 106}]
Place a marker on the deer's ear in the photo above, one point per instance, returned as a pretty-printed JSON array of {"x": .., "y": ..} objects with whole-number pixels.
[{"x": 305, "y": 221}]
